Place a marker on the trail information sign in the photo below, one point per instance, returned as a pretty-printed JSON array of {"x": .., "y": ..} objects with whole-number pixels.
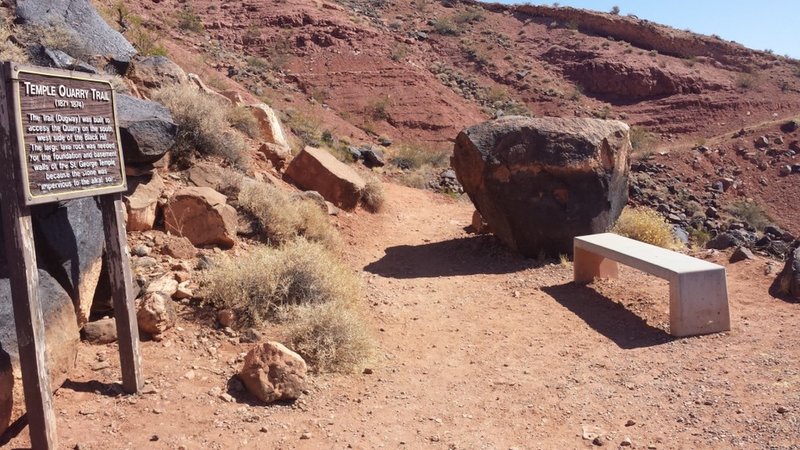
[
  {"x": 59, "y": 140},
  {"x": 67, "y": 131}
]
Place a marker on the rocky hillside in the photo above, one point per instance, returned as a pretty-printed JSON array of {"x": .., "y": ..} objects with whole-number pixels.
[{"x": 417, "y": 72}]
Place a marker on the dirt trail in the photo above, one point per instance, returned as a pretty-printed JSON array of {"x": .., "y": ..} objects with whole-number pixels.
[{"x": 479, "y": 348}]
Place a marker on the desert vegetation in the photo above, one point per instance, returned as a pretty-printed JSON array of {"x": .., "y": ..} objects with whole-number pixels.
[{"x": 646, "y": 225}]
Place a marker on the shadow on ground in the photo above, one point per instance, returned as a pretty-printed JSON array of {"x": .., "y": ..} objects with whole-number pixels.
[
  {"x": 607, "y": 317},
  {"x": 466, "y": 256}
]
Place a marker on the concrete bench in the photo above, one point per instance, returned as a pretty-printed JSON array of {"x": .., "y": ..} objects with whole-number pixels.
[{"x": 698, "y": 291}]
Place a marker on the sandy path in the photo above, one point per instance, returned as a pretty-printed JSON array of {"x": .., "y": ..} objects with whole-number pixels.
[{"x": 478, "y": 349}]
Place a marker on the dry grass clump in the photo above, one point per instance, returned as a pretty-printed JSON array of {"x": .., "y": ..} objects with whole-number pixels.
[
  {"x": 409, "y": 157},
  {"x": 257, "y": 285},
  {"x": 750, "y": 213},
  {"x": 203, "y": 127},
  {"x": 57, "y": 37},
  {"x": 282, "y": 218},
  {"x": 646, "y": 225},
  {"x": 9, "y": 51},
  {"x": 243, "y": 120},
  {"x": 373, "y": 197},
  {"x": 329, "y": 336}
]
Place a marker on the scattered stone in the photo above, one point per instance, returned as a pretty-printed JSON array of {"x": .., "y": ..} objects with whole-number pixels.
[
  {"x": 153, "y": 72},
  {"x": 740, "y": 254},
  {"x": 142, "y": 203},
  {"x": 626, "y": 442},
  {"x": 183, "y": 291},
  {"x": 226, "y": 317},
  {"x": 272, "y": 372},
  {"x": 144, "y": 262},
  {"x": 250, "y": 336},
  {"x": 179, "y": 247},
  {"x": 146, "y": 129},
  {"x": 276, "y": 154},
  {"x": 630, "y": 423},
  {"x": 103, "y": 331},
  {"x": 155, "y": 314},
  {"x": 226, "y": 397},
  {"x": 761, "y": 142},
  {"x": 539, "y": 182},
  {"x": 782, "y": 410},
  {"x": 166, "y": 285},
  {"x": 599, "y": 441},
  {"x": 305, "y": 435},
  {"x": 140, "y": 250},
  {"x": 316, "y": 169},
  {"x": 202, "y": 215},
  {"x": 785, "y": 170},
  {"x": 367, "y": 371},
  {"x": 372, "y": 157}
]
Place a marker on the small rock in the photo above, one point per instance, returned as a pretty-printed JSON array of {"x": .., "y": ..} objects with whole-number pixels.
[
  {"x": 272, "y": 372},
  {"x": 782, "y": 410},
  {"x": 166, "y": 285},
  {"x": 599, "y": 441},
  {"x": 305, "y": 435},
  {"x": 155, "y": 314},
  {"x": 103, "y": 331},
  {"x": 140, "y": 250},
  {"x": 630, "y": 423},
  {"x": 226, "y": 397},
  {"x": 626, "y": 442},
  {"x": 367, "y": 371},
  {"x": 740, "y": 254},
  {"x": 226, "y": 317}
]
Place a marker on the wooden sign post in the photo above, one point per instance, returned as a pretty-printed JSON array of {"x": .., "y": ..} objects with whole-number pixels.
[{"x": 59, "y": 140}]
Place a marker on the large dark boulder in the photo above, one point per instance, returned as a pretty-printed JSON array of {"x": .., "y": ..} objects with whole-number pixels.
[
  {"x": 70, "y": 242},
  {"x": 539, "y": 182},
  {"x": 789, "y": 279},
  {"x": 61, "y": 336},
  {"x": 146, "y": 129},
  {"x": 86, "y": 25}
]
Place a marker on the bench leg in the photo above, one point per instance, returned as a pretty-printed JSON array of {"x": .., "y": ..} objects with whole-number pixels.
[
  {"x": 587, "y": 266},
  {"x": 698, "y": 303}
]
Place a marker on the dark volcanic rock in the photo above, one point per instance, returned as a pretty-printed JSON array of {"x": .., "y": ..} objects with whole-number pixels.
[
  {"x": 146, "y": 129},
  {"x": 789, "y": 279},
  {"x": 70, "y": 244},
  {"x": 540, "y": 182},
  {"x": 82, "y": 20}
]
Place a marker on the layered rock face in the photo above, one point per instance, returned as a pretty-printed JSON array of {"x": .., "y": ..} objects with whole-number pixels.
[{"x": 539, "y": 182}]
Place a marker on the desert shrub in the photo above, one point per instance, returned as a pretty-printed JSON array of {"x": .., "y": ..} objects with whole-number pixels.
[
  {"x": 305, "y": 127},
  {"x": 750, "y": 213},
  {"x": 468, "y": 16},
  {"x": 241, "y": 119},
  {"x": 258, "y": 284},
  {"x": 378, "y": 109},
  {"x": 417, "y": 179},
  {"x": 282, "y": 218},
  {"x": 331, "y": 337},
  {"x": 745, "y": 81},
  {"x": 699, "y": 237},
  {"x": 147, "y": 42},
  {"x": 445, "y": 27},
  {"x": 646, "y": 225},
  {"x": 9, "y": 51},
  {"x": 642, "y": 141},
  {"x": 202, "y": 125},
  {"x": 189, "y": 21},
  {"x": 614, "y": 10},
  {"x": 414, "y": 157},
  {"x": 398, "y": 52},
  {"x": 372, "y": 196}
]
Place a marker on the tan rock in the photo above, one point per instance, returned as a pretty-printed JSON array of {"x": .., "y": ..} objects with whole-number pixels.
[
  {"x": 142, "y": 204},
  {"x": 153, "y": 72},
  {"x": 271, "y": 128},
  {"x": 103, "y": 331},
  {"x": 155, "y": 314},
  {"x": 167, "y": 285},
  {"x": 478, "y": 224},
  {"x": 202, "y": 215},
  {"x": 317, "y": 170},
  {"x": 276, "y": 154},
  {"x": 183, "y": 291},
  {"x": 179, "y": 247},
  {"x": 272, "y": 372}
]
